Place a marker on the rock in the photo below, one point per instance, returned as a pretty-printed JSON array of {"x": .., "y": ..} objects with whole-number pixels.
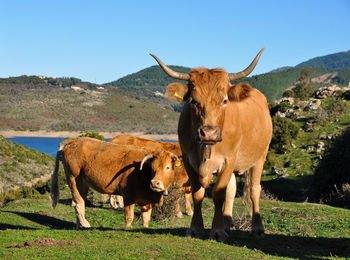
[
  {"x": 279, "y": 171},
  {"x": 346, "y": 95},
  {"x": 320, "y": 147},
  {"x": 290, "y": 100},
  {"x": 314, "y": 104},
  {"x": 325, "y": 92}
]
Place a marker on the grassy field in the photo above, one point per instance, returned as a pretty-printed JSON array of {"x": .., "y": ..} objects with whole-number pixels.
[{"x": 31, "y": 229}]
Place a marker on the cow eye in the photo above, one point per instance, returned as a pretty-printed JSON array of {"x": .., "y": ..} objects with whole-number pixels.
[
  {"x": 224, "y": 102},
  {"x": 167, "y": 168}
]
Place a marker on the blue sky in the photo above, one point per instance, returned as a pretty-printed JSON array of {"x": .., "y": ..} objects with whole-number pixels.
[{"x": 101, "y": 41}]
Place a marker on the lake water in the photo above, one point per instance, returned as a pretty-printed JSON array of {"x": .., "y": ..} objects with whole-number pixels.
[{"x": 47, "y": 145}]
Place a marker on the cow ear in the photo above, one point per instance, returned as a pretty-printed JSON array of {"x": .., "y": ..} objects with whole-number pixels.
[
  {"x": 239, "y": 92},
  {"x": 177, "y": 91}
]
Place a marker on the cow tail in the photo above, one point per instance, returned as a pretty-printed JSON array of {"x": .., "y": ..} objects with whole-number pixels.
[
  {"x": 55, "y": 192},
  {"x": 247, "y": 191}
]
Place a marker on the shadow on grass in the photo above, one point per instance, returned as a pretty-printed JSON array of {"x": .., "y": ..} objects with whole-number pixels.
[
  {"x": 272, "y": 244},
  {"x": 45, "y": 220},
  {"x": 9, "y": 226}
]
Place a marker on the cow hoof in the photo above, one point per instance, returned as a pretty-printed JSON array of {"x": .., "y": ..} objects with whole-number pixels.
[
  {"x": 179, "y": 215},
  {"x": 189, "y": 213},
  {"x": 219, "y": 235},
  {"x": 228, "y": 223},
  {"x": 259, "y": 233},
  {"x": 195, "y": 233},
  {"x": 85, "y": 226}
]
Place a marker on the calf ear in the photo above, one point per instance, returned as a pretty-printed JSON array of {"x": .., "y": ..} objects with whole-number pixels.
[
  {"x": 239, "y": 92},
  {"x": 177, "y": 91},
  {"x": 176, "y": 161}
]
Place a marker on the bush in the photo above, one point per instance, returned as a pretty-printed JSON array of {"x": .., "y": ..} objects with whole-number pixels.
[
  {"x": 93, "y": 135},
  {"x": 284, "y": 130},
  {"x": 167, "y": 211},
  {"x": 331, "y": 179},
  {"x": 288, "y": 93}
]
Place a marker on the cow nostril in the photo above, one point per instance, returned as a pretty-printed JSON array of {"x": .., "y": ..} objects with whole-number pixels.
[
  {"x": 155, "y": 183},
  {"x": 201, "y": 132}
]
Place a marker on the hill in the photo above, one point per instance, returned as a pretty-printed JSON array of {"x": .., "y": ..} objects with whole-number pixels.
[
  {"x": 272, "y": 84},
  {"x": 21, "y": 169},
  {"x": 334, "y": 62},
  {"x": 149, "y": 80},
  {"x": 60, "y": 104}
]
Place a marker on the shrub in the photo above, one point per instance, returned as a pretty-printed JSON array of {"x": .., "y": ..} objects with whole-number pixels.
[
  {"x": 331, "y": 179},
  {"x": 167, "y": 211},
  {"x": 93, "y": 135},
  {"x": 288, "y": 93},
  {"x": 284, "y": 130}
]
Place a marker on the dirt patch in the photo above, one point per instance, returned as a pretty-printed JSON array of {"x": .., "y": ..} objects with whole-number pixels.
[{"x": 45, "y": 242}]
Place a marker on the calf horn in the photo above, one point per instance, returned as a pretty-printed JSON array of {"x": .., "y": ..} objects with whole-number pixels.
[
  {"x": 170, "y": 72},
  {"x": 247, "y": 71},
  {"x": 147, "y": 157}
]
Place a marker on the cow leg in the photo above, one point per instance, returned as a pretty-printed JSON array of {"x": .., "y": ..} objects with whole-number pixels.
[
  {"x": 177, "y": 203},
  {"x": 197, "y": 226},
  {"x": 230, "y": 196},
  {"x": 188, "y": 197},
  {"x": 129, "y": 214},
  {"x": 83, "y": 187},
  {"x": 253, "y": 187},
  {"x": 78, "y": 203},
  {"x": 146, "y": 212},
  {"x": 219, "y": 195}
]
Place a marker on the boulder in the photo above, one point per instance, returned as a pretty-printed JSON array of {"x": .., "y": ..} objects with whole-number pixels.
[
  {"x": 314, "y": 104},
  {"x": 325, "y": 92}
]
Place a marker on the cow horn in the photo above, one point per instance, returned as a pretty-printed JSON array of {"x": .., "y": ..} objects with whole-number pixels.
[
  {"x": 147, "y": 157},
  {"x": 247, "y": 71},
  {"x": 170, "y": 72}
]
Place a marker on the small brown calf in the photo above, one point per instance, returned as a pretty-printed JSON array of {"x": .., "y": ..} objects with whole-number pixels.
[{"x": 139, "y": 175}]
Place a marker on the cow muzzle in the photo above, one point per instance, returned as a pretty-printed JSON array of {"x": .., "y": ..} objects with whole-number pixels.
[
  {"x": 157, "y": 186},
  {"x": 209, "y": 134}
]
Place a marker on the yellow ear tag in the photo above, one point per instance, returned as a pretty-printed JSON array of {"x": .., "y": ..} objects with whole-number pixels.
[
  {"x": 178, "y": 96},
  {"x": 178, "y": 164}
]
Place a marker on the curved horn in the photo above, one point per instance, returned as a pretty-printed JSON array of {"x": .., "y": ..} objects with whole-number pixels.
[
  {"x": 170, "y": 72},
  {"x": 247, "y": 71},
  {"x": 147, "y": 157}
]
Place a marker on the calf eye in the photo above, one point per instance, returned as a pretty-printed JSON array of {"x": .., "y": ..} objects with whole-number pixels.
[{"x": 224, "y": 102}]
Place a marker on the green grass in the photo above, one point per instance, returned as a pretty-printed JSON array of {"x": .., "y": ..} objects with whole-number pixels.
[{"x": 293, "y": 230}]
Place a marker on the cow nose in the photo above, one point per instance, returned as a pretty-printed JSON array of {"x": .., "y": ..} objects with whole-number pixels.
[
  {"x": 157, "y": 185},
  {"x": 209, "y": 134}
]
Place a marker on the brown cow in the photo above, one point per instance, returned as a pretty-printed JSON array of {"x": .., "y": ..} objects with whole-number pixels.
[
  {"x": 139, "y": 175},
  {"x": 181, "y": 178},
  {"x": 222, "y": 129}
]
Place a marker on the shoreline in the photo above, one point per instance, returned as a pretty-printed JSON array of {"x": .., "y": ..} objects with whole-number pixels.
[{"x": 68, "y": 134}]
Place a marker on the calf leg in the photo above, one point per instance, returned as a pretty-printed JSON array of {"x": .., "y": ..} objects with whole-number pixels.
[
  {"x": 129, "y": 214},
  {"x": 188, "y": 197},
  {"x": 113, "y": 201},
  {"x": 120, "y": 201},
  {"x": 146, "y": 212},
  {"x": 177, "y": 203}
]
